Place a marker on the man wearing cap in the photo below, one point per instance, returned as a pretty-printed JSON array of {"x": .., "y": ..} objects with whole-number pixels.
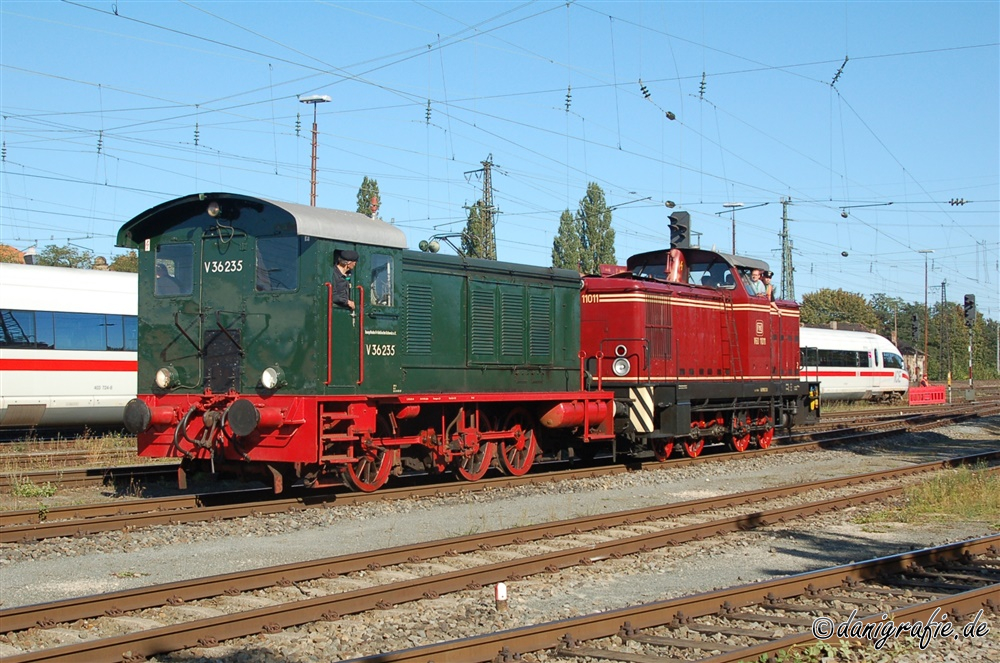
[
  {"x": 344, "y": 264},
  {"x": 765, "y": 278}
]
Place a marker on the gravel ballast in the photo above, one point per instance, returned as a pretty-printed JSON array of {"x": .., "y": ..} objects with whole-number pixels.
[{"x": 64, "y": 568}]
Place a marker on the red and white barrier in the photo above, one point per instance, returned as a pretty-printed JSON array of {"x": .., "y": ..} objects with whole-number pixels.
[{"x": 927, "y": 395}]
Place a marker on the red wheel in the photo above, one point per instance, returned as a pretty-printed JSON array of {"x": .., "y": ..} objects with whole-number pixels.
[
  {"x": 693, "y": 448},
  {"x": 370, "y": 472},
  {"x": 740, "y": 444},
  {"x": 739, "y": 439},
  {"x": 765, "y": 440},
  {"x": 474, "y": 467},
  {"x": 662, "y": 449},
  {"x": 517, "y": 455}
]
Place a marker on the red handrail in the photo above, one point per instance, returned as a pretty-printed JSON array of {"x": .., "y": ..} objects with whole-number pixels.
[
  {"x": 361, "y": 335},
  {"x": 329, "y": 332}
]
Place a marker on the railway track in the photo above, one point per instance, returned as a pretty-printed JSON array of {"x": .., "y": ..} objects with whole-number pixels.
[
  {"x": 35, "y": 524},
  {"x": 77, "y": 477},
  {"x": 434, "y": 569},
  {"x": 887, "y": 423},
  {"x": 960, "y": 581},
  {"x": 29, "y": 460}
]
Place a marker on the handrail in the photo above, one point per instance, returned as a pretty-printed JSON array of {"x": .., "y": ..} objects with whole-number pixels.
[
  {"x": 361, "y": 335},
  {"x": 329, "y": 333}
]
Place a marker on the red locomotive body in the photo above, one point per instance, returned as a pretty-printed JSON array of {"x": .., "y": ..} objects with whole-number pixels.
[{"x": 691, "y": 354}]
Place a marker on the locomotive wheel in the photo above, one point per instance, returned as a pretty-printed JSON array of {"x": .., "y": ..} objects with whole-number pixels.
[
  {"x": 739, "y": 444},
  {"x": 474, "y": 467},
  {"x": 370, "y": 472},
  {"x": 693, "y": 448},
  {"x": 662, "y": 449},
  {"x": 739, "y": 439},
  {"x": 765, "y": 440},
  {"x": 516, "y": 456}
]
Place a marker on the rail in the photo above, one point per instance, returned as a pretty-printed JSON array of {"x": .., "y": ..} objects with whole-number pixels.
[{"x": 272, "y": 618}]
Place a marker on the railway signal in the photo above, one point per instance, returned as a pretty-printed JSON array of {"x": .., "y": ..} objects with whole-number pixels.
[
  {"x": 970, "y": 322},
  {"x": 680, "y": 230},
  {"x": 970, "y": 311}
]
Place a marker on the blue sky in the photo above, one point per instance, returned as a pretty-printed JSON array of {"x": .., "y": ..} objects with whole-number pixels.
[{"x": 883, "y": 111}]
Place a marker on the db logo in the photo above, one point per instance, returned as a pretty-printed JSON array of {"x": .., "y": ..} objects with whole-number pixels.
[{"x": 760, "y": 328}]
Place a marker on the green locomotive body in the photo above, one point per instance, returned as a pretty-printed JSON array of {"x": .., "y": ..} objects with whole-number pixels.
[{"x": 246, "y": 362}]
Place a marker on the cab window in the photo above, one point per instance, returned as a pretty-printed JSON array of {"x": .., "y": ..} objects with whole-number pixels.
[
  {"x": 174, "y": 270},
  {"x": 381, "y": 281},
  {"x": 892, "y": 360},
  {"x": 712, "y": 274},
  {"x": 277, "y": 264}
]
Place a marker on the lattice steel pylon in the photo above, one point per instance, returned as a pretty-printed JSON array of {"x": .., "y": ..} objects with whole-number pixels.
[
  {"x": 787, "y": 278},
  {"x": 487, "y": 243}
]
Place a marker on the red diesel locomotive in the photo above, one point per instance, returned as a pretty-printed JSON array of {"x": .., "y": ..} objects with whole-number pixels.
[
  {"x": 691, "y": 355},
  {"x": 444, "y": 363}
]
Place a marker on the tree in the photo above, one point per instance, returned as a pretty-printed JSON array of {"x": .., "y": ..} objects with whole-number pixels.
[
  {"x": 478, "y": 240},
  {"x": 128, "y": 262},
  {"x": 566, "y": 245},
  {"x": 368, "y": 198},
  {"x": 892, "y": 313},
  {"x": 10, "y": 254},
  {"x": 826, "y": 305},
  {"x": 943, "y": 322},
  {"x": 597, "y": 237},
  {"x": 66, "y": 256}
]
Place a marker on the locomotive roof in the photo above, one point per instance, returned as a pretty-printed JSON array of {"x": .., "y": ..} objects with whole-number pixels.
[
  {"x": 311, "y": 221},
  {"x": 697, "y": 255},
  {"x": 493, "y": 267}
]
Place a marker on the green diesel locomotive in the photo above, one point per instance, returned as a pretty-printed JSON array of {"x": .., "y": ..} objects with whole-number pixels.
[{"x": 248, "y": 361}]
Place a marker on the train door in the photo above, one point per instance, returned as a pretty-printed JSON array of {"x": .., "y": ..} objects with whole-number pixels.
[
  {"x": 870, "y": 368},
  {"x": 225, "y": 268},
  {"x": 379, "y": 338},
  {"x": 777, "y": 332},
  {"x": 757, "y": 326},
  {"x": 364, "y": 342},
  {"x": 345, "y": 333}
]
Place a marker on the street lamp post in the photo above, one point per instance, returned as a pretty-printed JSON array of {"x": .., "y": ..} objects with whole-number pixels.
[
  {"x": 926, "y": 252},
  {"x": 314, "y": 99}
]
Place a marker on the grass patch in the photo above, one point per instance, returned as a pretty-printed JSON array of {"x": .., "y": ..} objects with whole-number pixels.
[
  {"x": 963, "y": 493},
  {"x": 129, "y": 574},
  {"x": 960, "y": 495},
  {"x": 88, "y": 449},
  {"x": 28, "y": 488},
  {"x": 843, "y": 652}
]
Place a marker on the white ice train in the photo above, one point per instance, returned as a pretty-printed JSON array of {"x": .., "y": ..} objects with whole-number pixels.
[
  {"x": 67, "y": 346},
  {"x": 853, "y": 366}
]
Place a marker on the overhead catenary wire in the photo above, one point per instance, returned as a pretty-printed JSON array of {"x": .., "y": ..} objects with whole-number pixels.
[{"x": 242, "y": 117}]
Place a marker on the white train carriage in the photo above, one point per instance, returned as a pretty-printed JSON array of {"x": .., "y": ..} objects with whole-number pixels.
[
  {"x": 68, "y": 342},
  {"x": 853, "y": 366}
]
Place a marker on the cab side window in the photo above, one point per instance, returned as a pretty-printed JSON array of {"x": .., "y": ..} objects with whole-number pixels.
[
  {"x": 892, "y": 360},
  {"x": 277, "y": 264},
  {"x": 174, "y": 270},
  {"x": 381, "y": 280}
]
